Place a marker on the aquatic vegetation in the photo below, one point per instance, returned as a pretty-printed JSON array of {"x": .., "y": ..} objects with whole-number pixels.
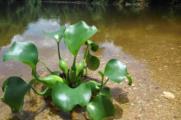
[{"x": 70, "y": 86}]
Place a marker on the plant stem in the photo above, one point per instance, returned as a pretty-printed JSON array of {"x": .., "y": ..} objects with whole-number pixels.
[
  {"x": 102, "y": 81},
  {"x": 86, "y": 52},
  {"x": 102, "y": 78},
  {"x": 59, "y": 56},
  {"x": 72, "y": 71},
  {"x": 106, "y": 82},
  {"x": 85, "y": 55},
  {"x": 74, "y": 61},
  {"x": 40, "y": 93},
  {"x": 129, "y": 79},
  {"x": 35, "y": 74},
  {"x": 48, "y": 69}
]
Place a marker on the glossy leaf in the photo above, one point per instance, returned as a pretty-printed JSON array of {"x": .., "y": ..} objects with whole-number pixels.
[
  {"x": 14, "y": 89},
  {"x": 79, "y": 67},
  {"x": 63, "y": 66},
  {"x": 67, "y": 98},
  {"x": 25, "y": 52},
  {"x": 51, "y": 80},
  {"x": 92, "y": 62},
  {"x": 93, "y": 85},
  {"x": 58, "y": 35},
  {"x": 100, "y": 107},
  {"x": 115, "y": 70},
  {"x": 94, "y": 47},
  {"x": 76, "y": 35}
]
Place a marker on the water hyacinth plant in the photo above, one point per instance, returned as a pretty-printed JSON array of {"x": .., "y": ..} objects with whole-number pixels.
[{"x": 71, "y": 86}]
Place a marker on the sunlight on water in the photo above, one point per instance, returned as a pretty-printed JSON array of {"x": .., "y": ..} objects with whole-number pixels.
[{"x": 149, "y": 44}]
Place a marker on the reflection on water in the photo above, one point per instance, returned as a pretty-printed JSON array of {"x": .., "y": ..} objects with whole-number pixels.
[{"x": 149, "y": 43}]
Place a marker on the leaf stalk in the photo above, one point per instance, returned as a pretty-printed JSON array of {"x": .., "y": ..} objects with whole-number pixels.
[{"x": 58, "y": 48}]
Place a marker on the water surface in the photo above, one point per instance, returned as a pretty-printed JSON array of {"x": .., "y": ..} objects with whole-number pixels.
[{"x": 148, "y": 41}]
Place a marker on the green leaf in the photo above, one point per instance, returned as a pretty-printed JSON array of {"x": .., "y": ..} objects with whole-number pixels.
[
  {"x": 25, "y": 52},
  {"x": 58, "y": 35},
  {"x": 63, "y": 66},
  {"x": 101, "y": 74},
  {"x": 92, "y": 62},
  {"x": 115, "y": 70},
  {"x": 94, "y": 47},
  {"x": 51, "y": 80},
  {"x": 93, "y": 85},
  {"x": 80, "y": 67},
  {"x": 67, "y": 98},
  {"x": 76, "y": 35},
  {"x": 106, "y": 92},
  {"x": 100, "y": 107},
  {"x": 14, "y": 89}
]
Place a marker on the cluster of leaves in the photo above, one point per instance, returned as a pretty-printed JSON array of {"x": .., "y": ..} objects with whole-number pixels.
[{"x": 70, "y": 87}]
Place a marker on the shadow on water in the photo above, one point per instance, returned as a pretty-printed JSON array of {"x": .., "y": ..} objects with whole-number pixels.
[
  {"x": 28, "y": 115},
  {"x": 120, "y": 95},
  {"x": 36, "y": 32}
]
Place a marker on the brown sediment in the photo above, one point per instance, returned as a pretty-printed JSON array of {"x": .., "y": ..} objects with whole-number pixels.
[{"x": 149, "y": 45}]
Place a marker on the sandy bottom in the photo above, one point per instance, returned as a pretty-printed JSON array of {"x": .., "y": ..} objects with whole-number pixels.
[{"x": 143, "y": 100}]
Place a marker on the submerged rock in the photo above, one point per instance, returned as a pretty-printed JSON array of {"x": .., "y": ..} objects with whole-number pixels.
[{"x": 168, "y": 95}]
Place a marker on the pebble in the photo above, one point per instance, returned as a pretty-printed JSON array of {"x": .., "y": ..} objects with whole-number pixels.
[
  {"x": 132, "y": 104},
  {"x": 156, "y": 100},
  {"x": 168, "y": 95}
]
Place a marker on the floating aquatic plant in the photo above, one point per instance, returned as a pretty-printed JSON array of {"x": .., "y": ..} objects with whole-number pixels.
[{"x": 71, "y": 86}]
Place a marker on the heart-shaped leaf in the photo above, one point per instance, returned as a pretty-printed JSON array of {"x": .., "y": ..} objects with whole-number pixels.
[
  {"x": 94, "y": 47},
  {"x": 92, "y": 62},
  {"x": 100, "y": 107},
  {"x": 58, "y": 35},
  {"x": 51, "y": 80},
  {"x": 75, "y": 35},
  {"x": 14, "y": 89},
  {"x": 25, "y": 52},
  {"x": 115, "y": 70},
  {"x": 67, "y": 98}
]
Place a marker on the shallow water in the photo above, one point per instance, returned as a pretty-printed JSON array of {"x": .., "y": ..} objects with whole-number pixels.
[{"x": 148, "y": 41}]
